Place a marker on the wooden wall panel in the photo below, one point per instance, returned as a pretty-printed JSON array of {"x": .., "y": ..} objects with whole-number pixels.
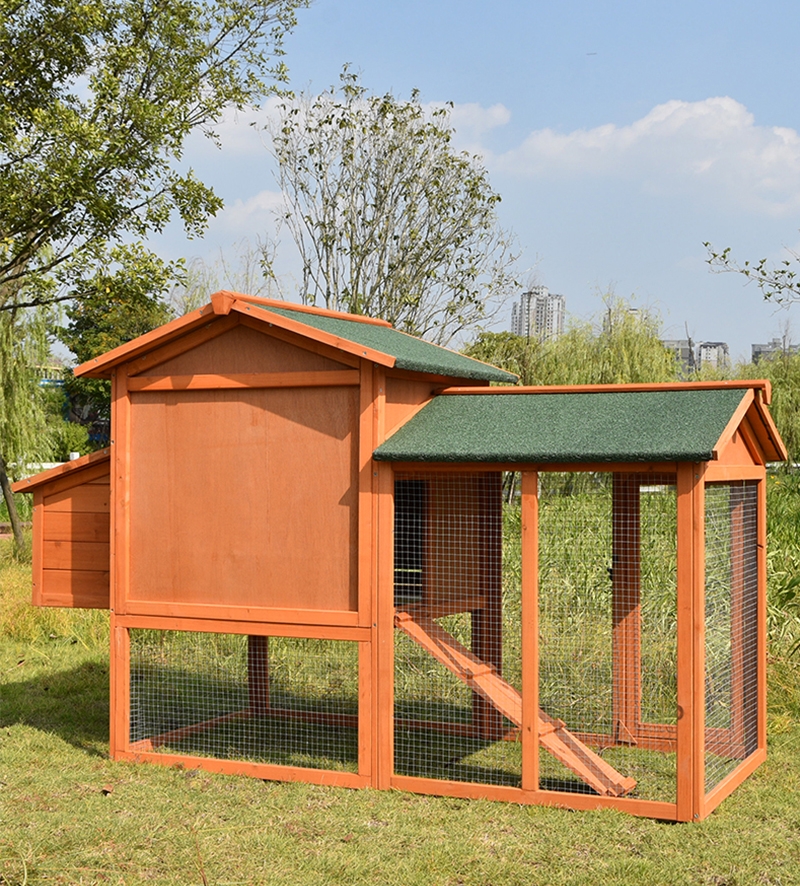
[
  {"x": 245, "y": 498},
  {"x": 75, "y": 541},
  {"x": 455, "y": 564},
  {"x": 403, "y": 398},
  {"x": 737, "y": 452},
  {"x": 244, "y": 350},
  {"x": 93, "y": 498}
]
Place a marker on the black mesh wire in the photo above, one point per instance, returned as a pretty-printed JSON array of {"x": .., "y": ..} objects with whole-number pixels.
[
  {"x": 731, "y": 627},
  {"x": 607, "y": 630},
  {"x": 457, "y": 646},
  {"x": 271, "y": 700}
]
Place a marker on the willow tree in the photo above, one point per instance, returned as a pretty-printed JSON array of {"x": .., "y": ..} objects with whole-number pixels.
[
  {"x": 390, "y": 220},
  {"x": 621, "y": 346},
  {"x": 23, "y": 345}
]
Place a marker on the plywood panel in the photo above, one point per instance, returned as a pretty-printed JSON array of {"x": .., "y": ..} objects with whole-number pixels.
[
  {"x": 79, "y": 589},
  {"x": 244, "y": 350},
  {"x": 403, "y": 399},
  {"x": 91, "y": 498},
  {"x": 75, "y": 526},
  {"x": 736, "y": 452},
  {"x": 245, "y": 498}
]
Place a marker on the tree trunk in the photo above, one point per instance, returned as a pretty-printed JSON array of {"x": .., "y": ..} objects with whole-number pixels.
[{"x": 13, "y": 516}]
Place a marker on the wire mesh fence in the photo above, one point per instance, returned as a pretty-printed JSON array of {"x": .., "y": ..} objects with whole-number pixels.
[
  {"x": 731, "y": 628},
  {"x": 457, "y": 647},
  {"x": 607, "y": 627},
  {"x": 277, "y": 700}
]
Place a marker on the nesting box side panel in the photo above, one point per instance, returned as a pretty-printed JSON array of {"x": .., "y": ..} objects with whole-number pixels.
[{"x": 74, "y": 513}]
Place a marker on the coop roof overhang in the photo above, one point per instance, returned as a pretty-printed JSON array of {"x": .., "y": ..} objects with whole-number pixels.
[
  {"x": 29, "y": 484},
  {"x": 363, "y": 337},
  {"x": 584, "y": 424}
]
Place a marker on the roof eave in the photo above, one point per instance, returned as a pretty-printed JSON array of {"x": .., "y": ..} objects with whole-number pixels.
[{"x": 28, "y": 484}]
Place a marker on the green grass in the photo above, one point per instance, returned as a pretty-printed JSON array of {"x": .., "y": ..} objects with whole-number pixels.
[{"x": 71, "y": 816}]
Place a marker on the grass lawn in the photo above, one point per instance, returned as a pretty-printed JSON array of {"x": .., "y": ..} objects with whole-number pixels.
[{"x": 71, "y": 816}]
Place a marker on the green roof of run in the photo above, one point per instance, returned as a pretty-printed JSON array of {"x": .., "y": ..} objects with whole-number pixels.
[
  {"x": 409, "y": 352},
  {"x": 618, "y": 426}
]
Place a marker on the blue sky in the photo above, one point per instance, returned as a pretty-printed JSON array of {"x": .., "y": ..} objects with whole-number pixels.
[{"x": 620, "y": 135}]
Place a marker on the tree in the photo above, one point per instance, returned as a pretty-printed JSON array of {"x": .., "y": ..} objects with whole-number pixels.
[
  {"x": 389, "y": 219},
  {"x": 23, "y": 345},
  {"x": 623, "y": 346},
  {"x": 97, "y": 100},
  {"x": 252, "y": 273},
  {"x": 120, "y": 302},
  {"x": 779, "y": 282}
]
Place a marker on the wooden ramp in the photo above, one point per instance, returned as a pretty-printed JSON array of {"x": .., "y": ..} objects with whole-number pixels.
[{"x": 482, "y": 677}]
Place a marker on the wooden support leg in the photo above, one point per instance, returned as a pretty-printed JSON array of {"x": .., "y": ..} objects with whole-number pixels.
[
  {"x": 258, "y": 675},
  {"x": 626, "y": 609}
]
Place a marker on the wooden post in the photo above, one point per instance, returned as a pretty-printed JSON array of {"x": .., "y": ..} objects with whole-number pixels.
[
  {"x": 530, "y": 630},
  {"x": 626, "y": 609}
]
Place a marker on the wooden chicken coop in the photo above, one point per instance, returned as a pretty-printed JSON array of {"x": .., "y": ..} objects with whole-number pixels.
[{"x": 336, "y": 553}]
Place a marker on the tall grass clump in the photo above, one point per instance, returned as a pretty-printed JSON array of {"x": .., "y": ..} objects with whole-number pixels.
[
  {"x": 22, "y": 621},
  {"x": 783, "y": 561}
]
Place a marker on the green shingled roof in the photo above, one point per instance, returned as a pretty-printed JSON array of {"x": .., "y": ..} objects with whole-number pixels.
[
  {"x": 618, "y": 426},
  {"x": 410, "y": 353}
]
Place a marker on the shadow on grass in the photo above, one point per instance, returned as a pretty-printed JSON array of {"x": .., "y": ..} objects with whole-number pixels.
[{"x": 72, "y": 703}]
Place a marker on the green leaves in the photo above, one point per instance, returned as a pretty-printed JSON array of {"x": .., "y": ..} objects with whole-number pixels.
[
  {"x": 388, "y": 218},
  {"x": 778, "y": 282},
  {"x": 97, "y": 98}
]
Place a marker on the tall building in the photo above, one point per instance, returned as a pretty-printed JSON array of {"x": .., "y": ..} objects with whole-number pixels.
[
  {"x": 713, "y": 353},
  {"x": 682, "y": 348},
  {"x": 539, "y": 314},
  {"x": 775, "y": 348}
]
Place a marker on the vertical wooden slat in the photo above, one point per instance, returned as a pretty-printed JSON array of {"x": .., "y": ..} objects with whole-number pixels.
[
  {"x": 685, "y": 655},
  {"x": 120, "y": 492},
  {"x": 365, "y": 706},
  {"x": 699, "y": 642},
  {"x": 366, "y": 446},
  {"x": 383, "y": 675},
  {"x": 761, "y": 540},
  {"x": 38, "y": 546},
  {"x": 381, "y": 689},
  {"x": 120, "y": 693},
  {"x": 626, "y": 608},
  {"x": 530, "y": 630}
]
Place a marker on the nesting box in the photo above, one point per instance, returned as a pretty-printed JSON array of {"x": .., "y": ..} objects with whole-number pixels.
[{"x": 334, "y": 553}]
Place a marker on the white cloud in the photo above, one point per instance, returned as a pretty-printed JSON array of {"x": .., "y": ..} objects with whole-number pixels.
[
  {"x": 471, "y": 120},
  {"x": 247, "y": 218},
  {"x": 711, "y": 148}
]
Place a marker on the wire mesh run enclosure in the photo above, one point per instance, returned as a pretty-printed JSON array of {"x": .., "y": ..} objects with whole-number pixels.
[
  {"x": 279, "y": 701},
  {"x": 607, "y": 626},
  {"x": 731, "y": 619},
  {"x": 457, "y": 644},
  {"x": 603, "y": 571}
]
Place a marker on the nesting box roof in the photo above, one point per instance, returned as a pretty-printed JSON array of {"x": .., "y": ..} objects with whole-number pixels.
[
  {"x": 619, "y": 423},
  {"x": 364, "y": 337}
]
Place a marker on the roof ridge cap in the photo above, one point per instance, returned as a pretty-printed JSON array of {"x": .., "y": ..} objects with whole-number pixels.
[{"x": 305, "y": 309}]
